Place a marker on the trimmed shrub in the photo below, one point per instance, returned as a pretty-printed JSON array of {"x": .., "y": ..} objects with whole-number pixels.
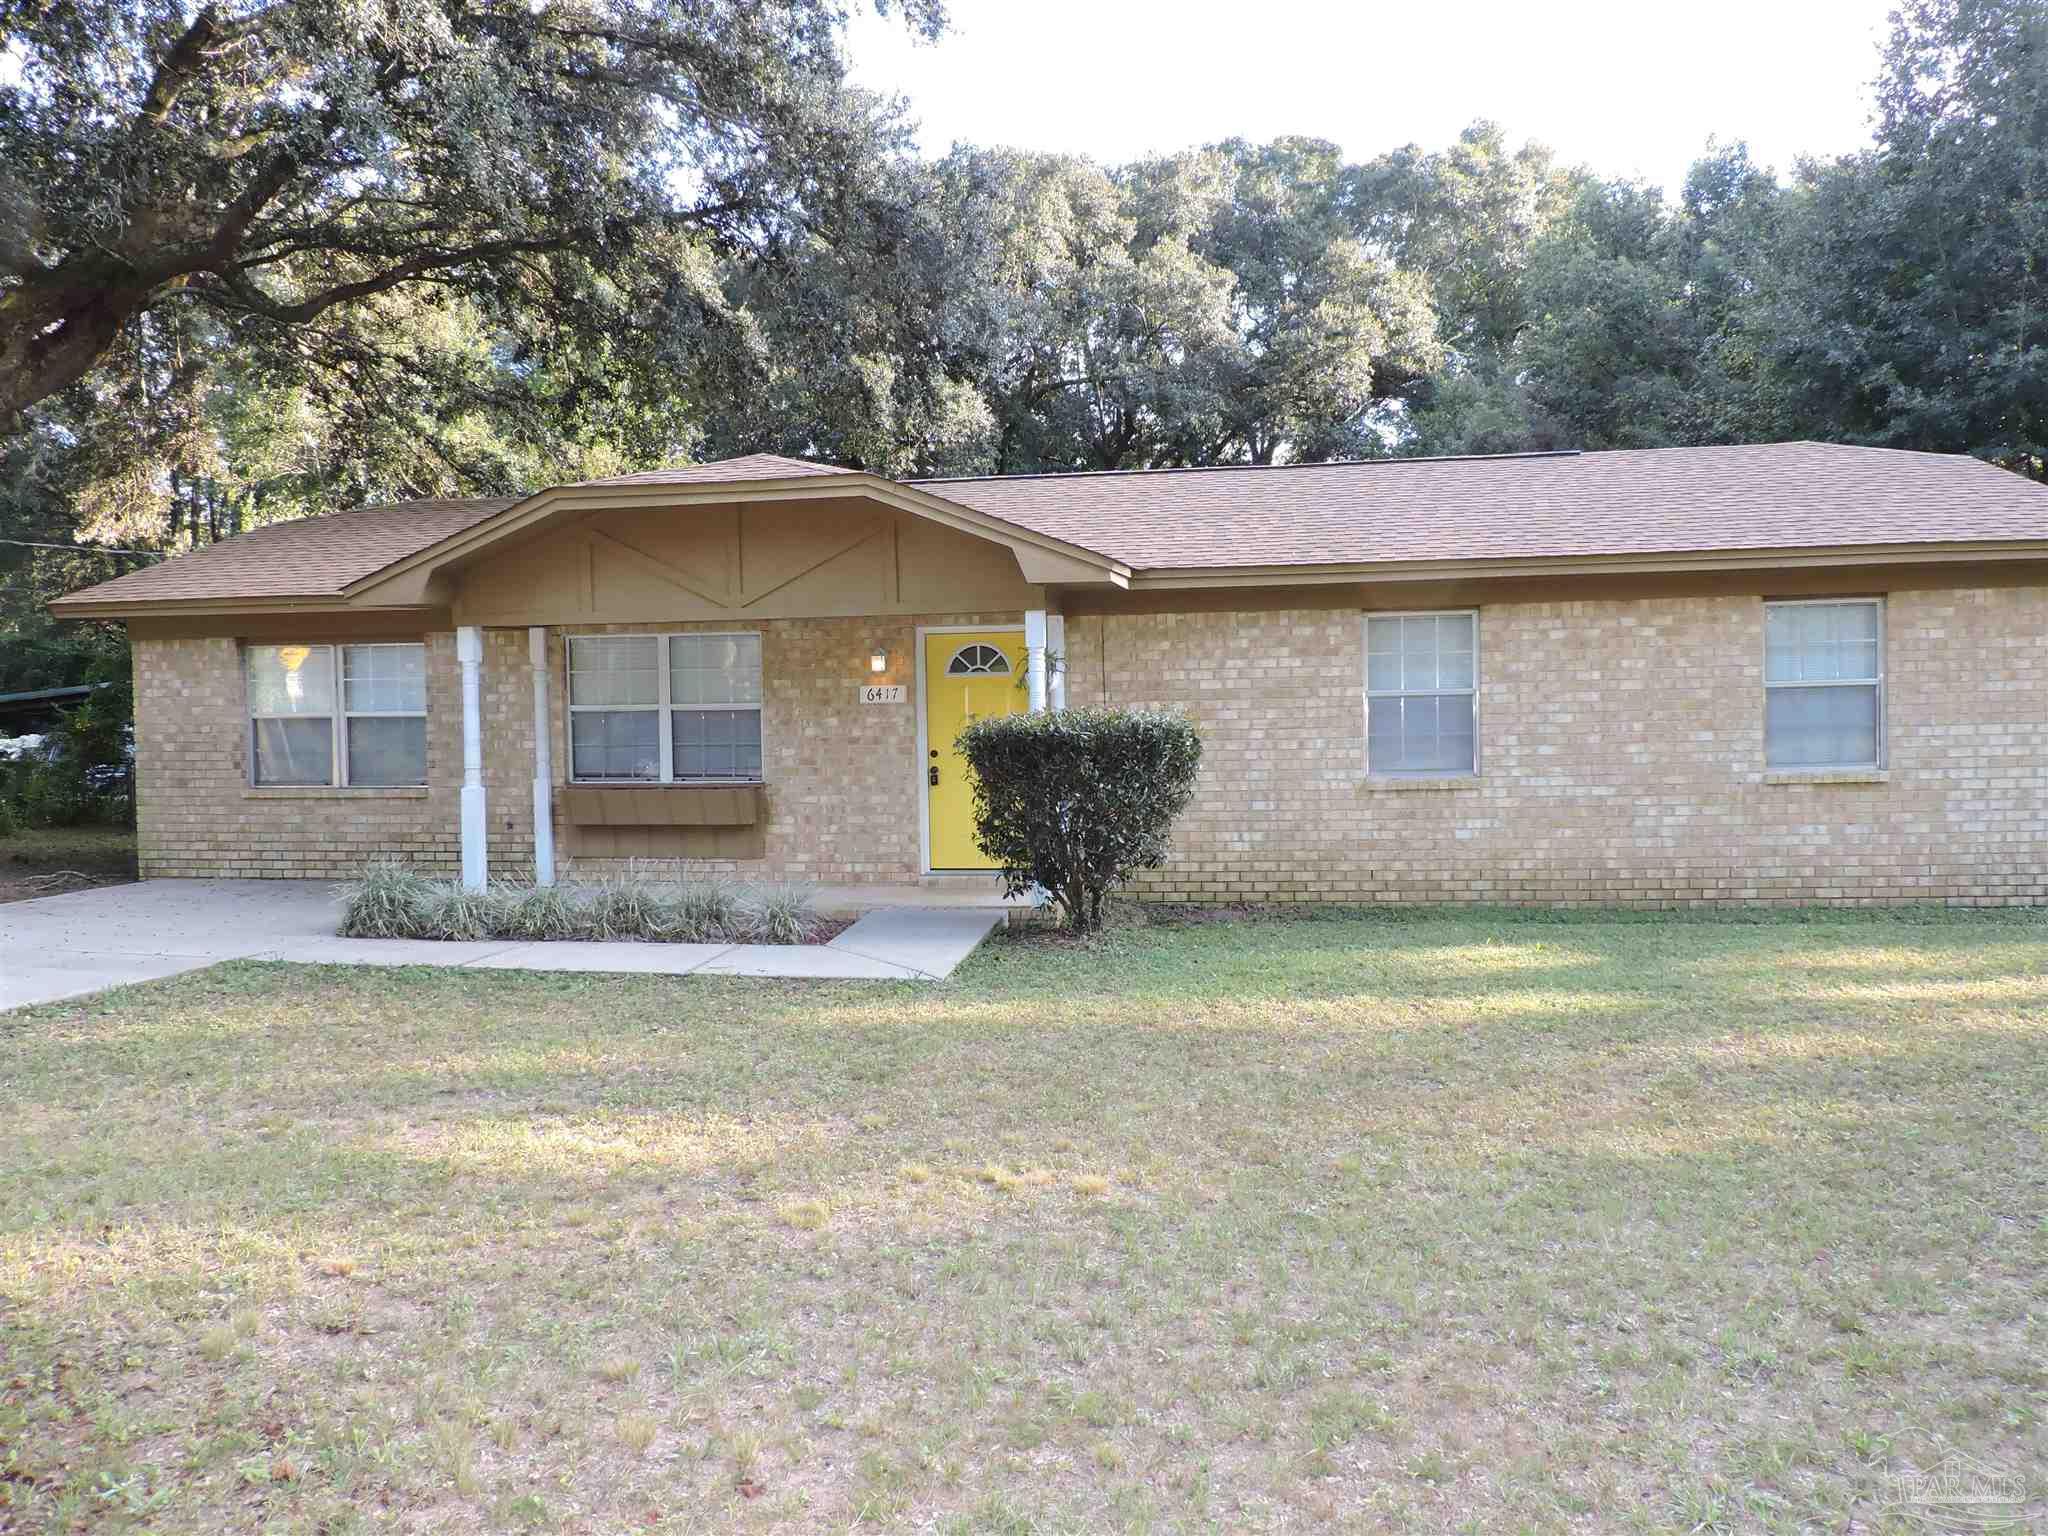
[{"x": 1077, "y": 801}]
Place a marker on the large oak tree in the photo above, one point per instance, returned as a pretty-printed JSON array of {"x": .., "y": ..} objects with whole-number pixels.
[{"x": 277, "y": 160}]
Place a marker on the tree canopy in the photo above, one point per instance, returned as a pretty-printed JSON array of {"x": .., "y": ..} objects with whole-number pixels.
[
  {"x": 271, "y": 160},
  {"x": 276, "y": 256}
]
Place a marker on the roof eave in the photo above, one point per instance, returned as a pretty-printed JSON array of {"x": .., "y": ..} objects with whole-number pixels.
[
  {"x": 81, "y": 606},
  {"x": 1161, "y": 578}
]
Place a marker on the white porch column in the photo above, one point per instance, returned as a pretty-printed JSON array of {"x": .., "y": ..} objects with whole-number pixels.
[
  {"x": 543, "y": 760},
  {"x": 1034, "y": 657},
  {"x": 469, "y": 651},
  {"x": 1056, "y": 659}
]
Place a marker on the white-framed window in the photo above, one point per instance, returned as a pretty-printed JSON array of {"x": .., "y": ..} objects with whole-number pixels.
[
  {"x": 1824, "y": 683},
  {"x": 665, "y": 709},
  {"x": 1421, "y": 693},
  {"x": 337, "y": 715}
]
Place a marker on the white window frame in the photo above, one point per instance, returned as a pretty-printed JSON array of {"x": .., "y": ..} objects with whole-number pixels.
[
  {"x": 665, "y": 708},
  {"x": 1878, "y": 682},
  {"x": 339, "y": 716},
  {"x": 1371, "y": 693}
]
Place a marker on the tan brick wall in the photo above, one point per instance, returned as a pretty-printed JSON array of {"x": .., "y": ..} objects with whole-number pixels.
[
  {"x": 1621, "y": 759},
  {"x": 197, "y": 814},
  {"x": 842, "y": 795},
  {"x": 842, "y": 801}
]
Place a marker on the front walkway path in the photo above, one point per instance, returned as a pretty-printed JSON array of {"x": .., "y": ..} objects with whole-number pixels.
[{"x": 84, "y": 941}]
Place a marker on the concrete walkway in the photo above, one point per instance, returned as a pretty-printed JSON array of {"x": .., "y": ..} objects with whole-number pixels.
[{"x": 66, "y": 946}]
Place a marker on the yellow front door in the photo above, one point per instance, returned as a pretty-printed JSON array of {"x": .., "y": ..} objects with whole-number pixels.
[{"x": 966, "y": 677}]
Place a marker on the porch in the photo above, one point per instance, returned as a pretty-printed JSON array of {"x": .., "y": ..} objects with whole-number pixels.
[{"x": 743, "y": 750}]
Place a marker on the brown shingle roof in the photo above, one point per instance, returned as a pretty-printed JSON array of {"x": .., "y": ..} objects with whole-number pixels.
[
  {"x": 1529, "y": 506},
  {"x": 1665, "y": 501},
  {"x": 751, "y": 466},
  {"x": 309, "y": 557},
  {"x": 321, "y": 556}
]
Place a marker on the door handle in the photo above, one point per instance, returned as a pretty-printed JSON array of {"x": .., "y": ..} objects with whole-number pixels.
[{"x": 933, "y": 774}]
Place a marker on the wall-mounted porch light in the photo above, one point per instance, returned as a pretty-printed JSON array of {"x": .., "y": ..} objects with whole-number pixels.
[{"x": 879, "y": 662}]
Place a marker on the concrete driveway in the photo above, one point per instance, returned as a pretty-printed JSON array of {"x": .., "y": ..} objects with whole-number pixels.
[
  {"x": 65, "y": 946},
  {"x": 84, "y": 941}
]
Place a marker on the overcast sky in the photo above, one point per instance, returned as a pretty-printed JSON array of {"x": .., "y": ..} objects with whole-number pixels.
[{"x": 1629, "y": 87}]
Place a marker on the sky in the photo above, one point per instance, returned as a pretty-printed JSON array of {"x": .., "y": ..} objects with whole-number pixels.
[{"x": 1628, "y": 87}]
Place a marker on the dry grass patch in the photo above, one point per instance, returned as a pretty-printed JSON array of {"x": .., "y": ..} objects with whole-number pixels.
[
  {"x": 805, "y": 1215},
  {"x": 1421, "y": 1223},
  {"x": 636, "y": 1431},
  {"x": 616, "y": 1369}
]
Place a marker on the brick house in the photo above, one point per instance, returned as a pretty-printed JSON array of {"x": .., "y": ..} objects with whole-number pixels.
[{"x": 1789, "y": 672}]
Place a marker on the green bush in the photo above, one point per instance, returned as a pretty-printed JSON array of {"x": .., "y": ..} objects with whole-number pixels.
[
  {"x": 709, "y": 909},
  {"x": 779, "y": 914},
  {"x": 540, "y": 911},
  {"x": 391, "y": 900},
  {"x": 84, "y": 774},
  {"x": 1077, "y": 801},
  {"x": 621, "y": 907}
]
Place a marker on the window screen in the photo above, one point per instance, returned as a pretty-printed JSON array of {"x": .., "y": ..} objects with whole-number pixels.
[
  {"x": 1420, "y": 679},
  {"x": 615, "y": 686},
  {"x": 675, "y": 708},
  {"x": 1824, "y": 684},
  {"x": 384, "y": 694},
  {"x": 366, "y": 727}
]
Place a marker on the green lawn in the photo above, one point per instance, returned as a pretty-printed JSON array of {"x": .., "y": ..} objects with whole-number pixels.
[{"x": 1436, "y": 1223}]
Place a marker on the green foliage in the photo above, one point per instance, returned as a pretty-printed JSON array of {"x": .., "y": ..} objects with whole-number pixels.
[
  {"x": 84, "y": 773},
  {"x": 779, "y": 914},
  {"x": 391, "y": 900},
  {"x": 270, "y": 165},
  {"x": 624, "y": 907},
  {"x": 707, "y": 906},
  {"x": 753, "y": 261},
  {"x": 1910, "y": 308},
  {"x": 540, "y": 911},
  {"x": 1075, "y": 802},
  {"x": 1219, "y": 306}
]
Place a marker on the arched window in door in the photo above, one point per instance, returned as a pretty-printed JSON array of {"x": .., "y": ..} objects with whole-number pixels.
[{"x": 978, "y": 660}]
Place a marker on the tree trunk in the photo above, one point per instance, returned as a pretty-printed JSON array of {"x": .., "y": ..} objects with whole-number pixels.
[
  {"x": 1075, "y": 900},
  {"x": 50, "y": 338}
]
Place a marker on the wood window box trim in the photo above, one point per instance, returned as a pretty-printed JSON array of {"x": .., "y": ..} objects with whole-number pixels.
[{"x": 661, "y": 805}]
